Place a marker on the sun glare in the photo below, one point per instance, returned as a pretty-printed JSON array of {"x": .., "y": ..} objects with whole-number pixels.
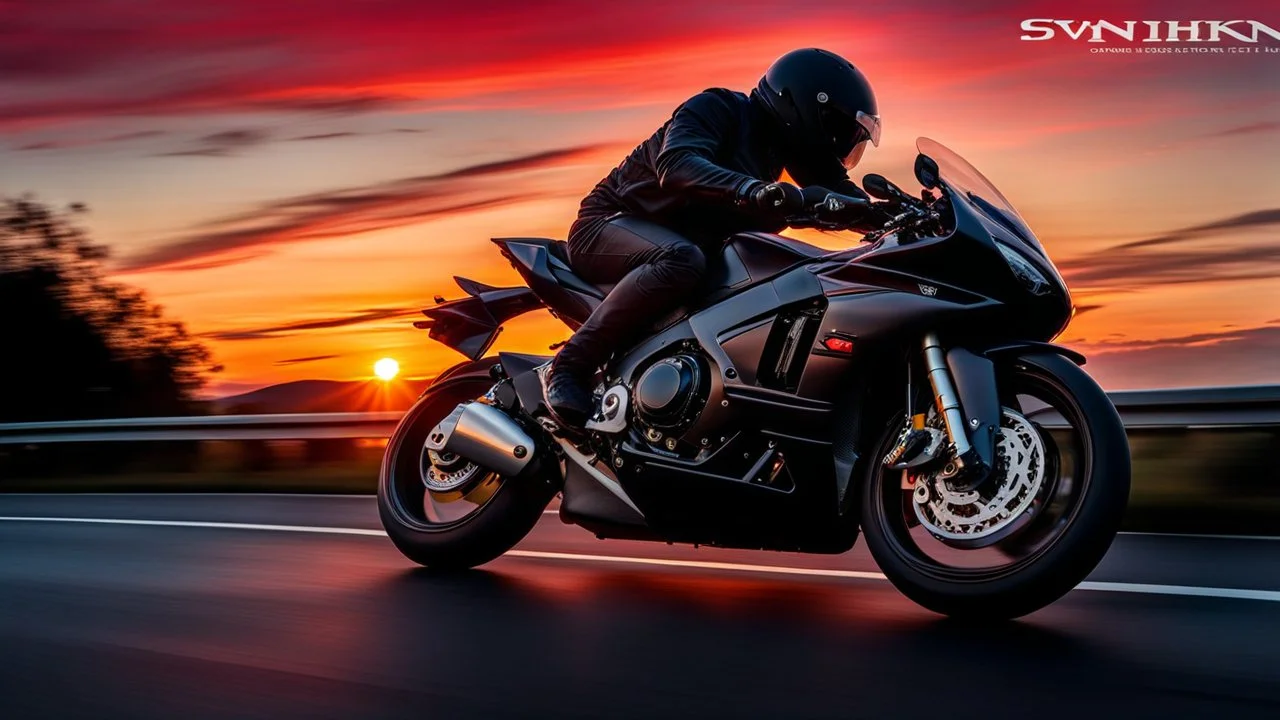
[{"x": 386, "y": 368}]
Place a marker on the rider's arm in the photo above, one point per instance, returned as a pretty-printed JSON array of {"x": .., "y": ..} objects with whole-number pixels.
[
  {"x": 686, "y": 162},
  {"x": 831, "y": 175}
]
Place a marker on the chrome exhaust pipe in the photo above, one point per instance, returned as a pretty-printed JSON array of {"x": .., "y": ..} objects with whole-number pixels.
[{"x": 484, "y": 435}]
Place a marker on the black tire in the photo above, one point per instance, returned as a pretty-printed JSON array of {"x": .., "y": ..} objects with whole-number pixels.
[
  {"x": 491, "y": 529},
  {"x": 1081, "y": 535}
]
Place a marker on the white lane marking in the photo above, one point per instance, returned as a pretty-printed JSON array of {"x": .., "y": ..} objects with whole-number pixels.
[
  {"x": 1182, "y": 590},
  {"x": 179, "y": 495},
  {"x": 1189, "y": 536},
  {"x": 1193, "y": 536},
  {"x": 203, "y": 524},
  {"x": 700, "y": 564},
  {"x": 370, "y": 496},
  {"x": 1116, "y": 587}
]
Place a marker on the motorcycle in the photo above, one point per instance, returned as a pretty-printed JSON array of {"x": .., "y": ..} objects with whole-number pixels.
[{"x": 905, "y": 389}]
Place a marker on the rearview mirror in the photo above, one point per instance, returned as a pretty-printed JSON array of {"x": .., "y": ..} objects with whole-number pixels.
[{"x": 927, "y": 171}]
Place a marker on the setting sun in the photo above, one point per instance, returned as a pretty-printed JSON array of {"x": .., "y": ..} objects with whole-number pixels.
[{"x": 386, "y": 368}]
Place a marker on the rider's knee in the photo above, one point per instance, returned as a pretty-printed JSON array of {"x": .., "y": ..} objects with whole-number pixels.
[{"x": 686, "y": 264}]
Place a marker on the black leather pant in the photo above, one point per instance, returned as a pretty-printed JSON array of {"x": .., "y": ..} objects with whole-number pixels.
[{"x": 655, "y": 269}]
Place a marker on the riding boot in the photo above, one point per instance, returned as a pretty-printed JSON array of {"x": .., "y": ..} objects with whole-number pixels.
[{"x": 568, "y": 386}]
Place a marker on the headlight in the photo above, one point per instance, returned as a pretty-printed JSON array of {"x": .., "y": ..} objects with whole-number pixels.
[{"x": 1031, "y": 278}]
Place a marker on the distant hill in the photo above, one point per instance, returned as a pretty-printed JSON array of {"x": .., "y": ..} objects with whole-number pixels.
[{"x": 312, "y": 396}]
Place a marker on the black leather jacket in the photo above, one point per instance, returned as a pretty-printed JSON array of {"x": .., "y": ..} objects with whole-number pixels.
[{"x": 696, "y": 172}]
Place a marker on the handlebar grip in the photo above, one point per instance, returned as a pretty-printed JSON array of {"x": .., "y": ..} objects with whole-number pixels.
[
  {"x": 835, "y": 202},
  {"x": 841, "y": 208}
]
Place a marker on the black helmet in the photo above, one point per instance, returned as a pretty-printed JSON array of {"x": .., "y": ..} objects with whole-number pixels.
[{"x": 823, "y": 106}]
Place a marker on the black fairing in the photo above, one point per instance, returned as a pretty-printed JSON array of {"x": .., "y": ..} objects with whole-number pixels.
[
  {"x": 543, "y": 264},
  {"x": 471, "y": 324},
  {"x": 775, "y": 401},
  {"x": 751, "y": 435},
  {"x": 953, "y": 265},
  {"x": 975, "y": 381},
  {"x": 520, "y": 368},
  {"x": 749, "y": 258}
]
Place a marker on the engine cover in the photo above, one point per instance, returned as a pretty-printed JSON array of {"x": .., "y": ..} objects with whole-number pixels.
[{"x": 667, "y": 395}]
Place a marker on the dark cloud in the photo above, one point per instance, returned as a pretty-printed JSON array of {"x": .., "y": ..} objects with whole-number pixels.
[
  {"x": 1250, "y": 129},
  {"x": 516, "y": 164},
  {"x": 299, "y": 360},
  {"x": 338, "y": 104},
  {"x": 293, "y": 328},
  {"x": 347, "y": 133},
  {"x": 1211, "y": 252},
  {"x": 139, "y": 135},
  {"x": 1138, "y": 270},
  {"x": 324, "y": 136},
  {"x": 224, "y": 144},
  {"x": 352, "y": 211},
  {"x": 1225, "y": 334},
  {"x": 62, "y": 144},
  {"x": 1257, "y": 218},
  {"x": 219, "y": 144},
  {"x": 1231, "y": 357}
]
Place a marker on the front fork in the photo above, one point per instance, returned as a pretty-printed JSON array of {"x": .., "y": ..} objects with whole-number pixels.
[
  {"x": 966, "y": 396},
  {"x": 945, "y": 396}
]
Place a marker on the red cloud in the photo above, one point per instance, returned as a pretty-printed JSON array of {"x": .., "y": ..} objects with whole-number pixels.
[{"x": 88, "y": 58}]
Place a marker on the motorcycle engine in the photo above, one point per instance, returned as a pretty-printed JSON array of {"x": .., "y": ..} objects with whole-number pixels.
[{"x": 670, "y": 394}]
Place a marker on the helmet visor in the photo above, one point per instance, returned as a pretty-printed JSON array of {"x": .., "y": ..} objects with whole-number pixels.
[
  {"x": 871, "y": 125},
  {"x": 849, "y": 134},
  {"x": 868, "y": 130},
  {"x": 855, "y": 155}
]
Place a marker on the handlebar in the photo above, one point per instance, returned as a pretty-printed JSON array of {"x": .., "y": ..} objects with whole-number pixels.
[
  {"x": 829, "y": 210},
  {"x": 826, "y": 210}
]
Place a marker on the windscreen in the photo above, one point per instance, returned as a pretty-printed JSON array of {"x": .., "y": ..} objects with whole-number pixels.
[{"x": 965, "y": 179}]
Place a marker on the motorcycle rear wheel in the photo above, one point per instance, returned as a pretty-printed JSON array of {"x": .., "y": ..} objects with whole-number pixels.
[
  {"x": 455, "y": 530},
  {"x": 1066, "y": 534}
]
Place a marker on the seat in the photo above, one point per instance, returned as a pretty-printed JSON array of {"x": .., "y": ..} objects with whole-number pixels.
[{"x": 558, "y": 250}]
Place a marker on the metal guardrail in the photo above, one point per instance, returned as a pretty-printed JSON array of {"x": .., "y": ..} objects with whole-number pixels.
[
  {"x": 1194, "y": 408},
  {"x": 299, "y": 426},
  {"x": 1190, "y": 408}
]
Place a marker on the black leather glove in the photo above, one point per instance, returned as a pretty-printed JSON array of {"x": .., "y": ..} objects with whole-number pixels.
[
  {"x": 775, "y": 199},
  {"x": 832, "y": 206}
]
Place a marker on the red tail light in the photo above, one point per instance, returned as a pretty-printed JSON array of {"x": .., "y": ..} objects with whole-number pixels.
[{"x": 838, "y": 345}]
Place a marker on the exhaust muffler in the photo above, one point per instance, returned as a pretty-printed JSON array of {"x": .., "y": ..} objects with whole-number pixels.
[{"x": 484, "y": 435}]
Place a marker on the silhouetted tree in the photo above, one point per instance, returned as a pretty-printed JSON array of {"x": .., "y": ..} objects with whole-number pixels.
[{"x": 74, "y": 344}]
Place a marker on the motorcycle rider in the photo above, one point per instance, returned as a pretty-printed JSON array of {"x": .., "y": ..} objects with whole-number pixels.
[{"x": 710, "y": 171}]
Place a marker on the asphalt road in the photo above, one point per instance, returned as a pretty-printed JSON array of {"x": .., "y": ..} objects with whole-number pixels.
[{"x": 217, "y": 606}]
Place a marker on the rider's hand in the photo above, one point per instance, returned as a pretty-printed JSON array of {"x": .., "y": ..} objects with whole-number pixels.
[
  {"x": 830, "y": 206},
  {"x": 779, "y": 198}
]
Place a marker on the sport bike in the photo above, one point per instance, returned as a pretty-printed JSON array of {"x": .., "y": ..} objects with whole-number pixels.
[{"x": 905, "y": 389}]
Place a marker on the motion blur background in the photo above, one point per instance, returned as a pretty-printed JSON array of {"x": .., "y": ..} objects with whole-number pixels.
[
  {"x": 230, "y": 209},
  {"x": 239, "y": 207},
  {"x": 292, "y": 180}
]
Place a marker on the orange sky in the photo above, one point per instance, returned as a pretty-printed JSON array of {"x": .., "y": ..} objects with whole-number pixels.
[{"x": 295, "y": 179}]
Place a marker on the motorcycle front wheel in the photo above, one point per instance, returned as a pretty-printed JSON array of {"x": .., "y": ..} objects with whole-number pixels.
[
  {"x": 466, "y": 526},
  {"x": 1030, "y": 534}
]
